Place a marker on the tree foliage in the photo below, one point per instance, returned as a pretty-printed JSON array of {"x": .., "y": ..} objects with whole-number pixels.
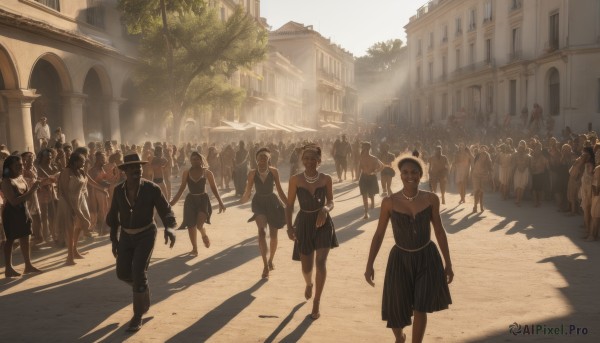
[
  {"x": 381, "y": 56},
  {"x": 187, "y": 54}
]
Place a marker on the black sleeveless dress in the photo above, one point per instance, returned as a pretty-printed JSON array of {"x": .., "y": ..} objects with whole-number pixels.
[
  {"x": 308, "y": 236},
  {"x": 265, "y": 202},
  {"x": 195, "y": 202},
  {"x": 414, "y": 280},
  {"x": 16, "y": 219}
]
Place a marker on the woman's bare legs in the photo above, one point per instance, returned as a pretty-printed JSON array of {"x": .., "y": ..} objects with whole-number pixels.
[
  {"x": 400, "y": 336},
  {"x": 419, "y": 325},
  {"x": 29, "y": 268},
  {"x": 261, "y": 223},
  {"x": 9, "y": 271},
  {"x": 201, "y": 219},
  {"x": 321, "y": 275},
  {"x": 272, "y": 246}
]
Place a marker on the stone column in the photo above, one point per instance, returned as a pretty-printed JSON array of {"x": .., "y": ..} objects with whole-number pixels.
[
  {"x": 73, "y": 116},
  {"x": 20, "y": 130},
  {"x": 114, "y": 123}
]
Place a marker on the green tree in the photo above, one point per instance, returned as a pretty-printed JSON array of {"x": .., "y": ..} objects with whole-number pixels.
[
  {"x": 187, "y": 54},
  {"x": 381, "y": 56}
]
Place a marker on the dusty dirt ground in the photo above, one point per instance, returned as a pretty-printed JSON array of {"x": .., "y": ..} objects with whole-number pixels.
[{"x": 524, "y": 265}]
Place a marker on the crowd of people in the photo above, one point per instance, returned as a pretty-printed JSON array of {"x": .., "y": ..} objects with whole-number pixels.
[{"x": 67, "y": 191}]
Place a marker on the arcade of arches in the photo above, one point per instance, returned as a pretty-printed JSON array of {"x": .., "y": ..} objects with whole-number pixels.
[{"x": 91, "y": 113}]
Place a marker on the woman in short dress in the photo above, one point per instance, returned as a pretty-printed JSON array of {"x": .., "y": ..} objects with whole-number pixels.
[
  {"x": 313, "y": 230},
  {"x": 268, "y": 209},
  {"x": 416, "y": 281},
  {"x": 73, "y": 215},
  {"x": 15, "y": 214},
  {"x": 197, "y": 208}
]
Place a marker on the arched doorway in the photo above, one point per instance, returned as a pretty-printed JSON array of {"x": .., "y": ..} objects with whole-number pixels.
[
  {"x": 95, "y": 109},
  {"x": 46, "y": 81},
  {"x": 131, "y": 115},
  {"x": 553, "y": 92}
]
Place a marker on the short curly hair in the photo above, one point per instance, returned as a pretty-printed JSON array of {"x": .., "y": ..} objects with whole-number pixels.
[{"x": 411, "y": 159}]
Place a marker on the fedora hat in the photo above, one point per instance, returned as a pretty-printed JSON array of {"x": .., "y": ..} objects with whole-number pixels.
[{"x": 131, "y": 159}]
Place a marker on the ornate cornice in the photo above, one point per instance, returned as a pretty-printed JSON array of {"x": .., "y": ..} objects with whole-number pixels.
[{"x": 19, "y": 22}]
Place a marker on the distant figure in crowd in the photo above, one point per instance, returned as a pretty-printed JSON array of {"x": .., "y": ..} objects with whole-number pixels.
[
  {"x": 341, "y": 151},
  {"x": 197, "y": 208},
  {"x": 416, "y": 282},
  {"x": 132, "y": 211},
  {"x": 462, "y": 167},
  {"x": 59, "y": 136},
  {"x": 369, "y": 166},
  {"x": 42, "y": 132},
  {"x": 15, "y": 214},
  {"x": 268, "y": 209},
  {"x": 521, "y": 176},
  {"x": 240, "y": 171},
  {"x": 482, "y": 173},
  {"x": 387, "y": 173},
  {"x": 159, "y": 164},
  {"x": 312, "y": 231},
  {"x": 438, "y": 172}
]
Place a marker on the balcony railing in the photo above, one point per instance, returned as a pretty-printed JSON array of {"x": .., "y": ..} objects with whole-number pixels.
[
  {"x": 551, "y": 46},
  {"x": 53, "y": 4},
  {"x": 474, "y": 67},
  {"x": 515, "y": 5},
  {"x": 515, "y": 56}
]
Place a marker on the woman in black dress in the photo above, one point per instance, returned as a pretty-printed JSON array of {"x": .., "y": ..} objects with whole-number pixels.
[
  {"x": 15, "y": 215},
  {"x": 197, "y": 208},
  {"x": 313, "y": 230},
  {"x": 416, "y": 282},
  {"x": 266, "y": 206}
]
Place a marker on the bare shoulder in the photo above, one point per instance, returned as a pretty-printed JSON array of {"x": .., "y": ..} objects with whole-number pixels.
[
  {"x": 327, "y": 177},
  {"x": 431, "y": 197}
]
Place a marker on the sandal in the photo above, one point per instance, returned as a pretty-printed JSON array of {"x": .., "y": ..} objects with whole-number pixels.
[{"x": 206, "y": 241}]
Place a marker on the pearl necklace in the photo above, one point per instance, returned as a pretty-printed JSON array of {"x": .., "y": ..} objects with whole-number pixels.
[
  {"x": 410, "y": 198},
  {"x": 311, "y": 179},
  {"x": 263, "y": 174}
]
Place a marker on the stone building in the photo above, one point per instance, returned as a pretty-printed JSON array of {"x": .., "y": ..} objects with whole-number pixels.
[
  {"x": 70, "y": 61},
  {"x": 273, "y": 87},
  {"x": 328, "y": 71},
  {"x": 489, "y": 60}
]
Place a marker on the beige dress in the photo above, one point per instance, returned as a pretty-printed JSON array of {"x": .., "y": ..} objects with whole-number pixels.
[{"x": 66, "y": 217}]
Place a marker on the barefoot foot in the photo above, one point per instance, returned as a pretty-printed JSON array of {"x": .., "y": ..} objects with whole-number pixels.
[
  {"x": 70, "y": 262},
  {"x": 78, "y": 256},
  {"x": 271, "y": 265},
  {"x": 315, "y": 314},
  {"x": 206, "y": 241},
  {"x": 32, "y": 269},
  {"x": 11, "y": 273},
  {"x": 193, "y": 253},
  {"x": 366, "y": 216},
  {"x": 308, "y": 291},
  {"x": 265, "y": 273}
]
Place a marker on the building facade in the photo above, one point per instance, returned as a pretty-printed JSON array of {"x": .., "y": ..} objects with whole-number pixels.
[
  {"x": 491, "y": 60},
  {"x": 273, "y": 87},
  {"x": 384, "y": 96},
  {"x": 70, "y": 61},
  {"x": 329, "y": 93}
]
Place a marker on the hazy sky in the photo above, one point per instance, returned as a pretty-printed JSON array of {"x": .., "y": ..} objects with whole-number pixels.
[{"x": 353, "y": 24}]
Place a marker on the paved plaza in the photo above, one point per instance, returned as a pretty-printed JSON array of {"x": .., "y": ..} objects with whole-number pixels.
[{"x": 524, "y": 265}]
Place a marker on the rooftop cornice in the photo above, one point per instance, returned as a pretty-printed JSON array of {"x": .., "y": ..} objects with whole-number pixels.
[{"x": 41, "y": 28}]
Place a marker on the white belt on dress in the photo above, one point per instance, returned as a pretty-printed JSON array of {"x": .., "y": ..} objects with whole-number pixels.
[{"x": 414, "y": 250}]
